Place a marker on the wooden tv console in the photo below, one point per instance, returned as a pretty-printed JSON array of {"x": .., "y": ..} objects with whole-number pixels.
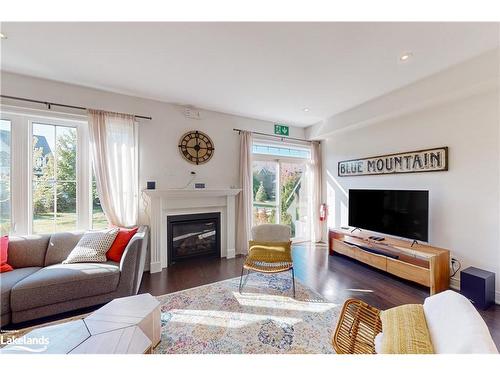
[{"x": 424, "y": 264}]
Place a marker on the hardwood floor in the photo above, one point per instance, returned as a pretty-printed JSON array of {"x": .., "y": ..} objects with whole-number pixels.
[{"x": 335, "y": 277}]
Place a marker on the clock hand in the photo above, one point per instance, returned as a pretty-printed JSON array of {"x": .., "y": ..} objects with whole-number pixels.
[{"x": 197, "y": 148}]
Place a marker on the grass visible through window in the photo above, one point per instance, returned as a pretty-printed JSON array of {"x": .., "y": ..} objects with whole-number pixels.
[{"x": 65, "y": 222}]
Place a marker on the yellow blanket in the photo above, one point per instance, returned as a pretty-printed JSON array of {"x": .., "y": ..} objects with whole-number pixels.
[{"x": 405, "y": 331}]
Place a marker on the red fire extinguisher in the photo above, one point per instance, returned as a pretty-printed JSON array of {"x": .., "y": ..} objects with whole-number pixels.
[{"x": 323, "y": 212}]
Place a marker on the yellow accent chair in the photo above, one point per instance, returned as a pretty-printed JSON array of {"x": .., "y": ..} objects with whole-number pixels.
[{"x": 269, "y": 251}]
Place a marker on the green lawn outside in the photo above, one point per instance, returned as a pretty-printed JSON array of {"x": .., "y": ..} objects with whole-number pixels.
[
  {"x": 65, "y": 221},
  {"x": 4, "y": 226},
  {"x": 99, "y": 220},
  {"x": 264, "y": 204}
]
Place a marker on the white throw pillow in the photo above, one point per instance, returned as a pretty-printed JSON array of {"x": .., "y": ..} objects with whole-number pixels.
[{"x": 92, "y": 247}]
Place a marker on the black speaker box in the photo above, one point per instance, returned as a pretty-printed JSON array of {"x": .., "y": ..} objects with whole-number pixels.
[{"x": 478, "y": 286}]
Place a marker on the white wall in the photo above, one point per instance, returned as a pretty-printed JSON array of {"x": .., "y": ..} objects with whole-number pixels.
[
  {"x": 464, "y": 201},
  {"x": 159, "y": 155}
]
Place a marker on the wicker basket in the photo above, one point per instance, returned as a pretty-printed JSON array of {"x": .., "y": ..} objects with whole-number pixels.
[{"x": 357, "y": 327}]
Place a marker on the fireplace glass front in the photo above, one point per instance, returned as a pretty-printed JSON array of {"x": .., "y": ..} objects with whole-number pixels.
[{"x": 193, "y": 236}]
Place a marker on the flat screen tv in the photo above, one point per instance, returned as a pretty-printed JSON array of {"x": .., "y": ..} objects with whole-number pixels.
[{"x": 403, "y": 213}]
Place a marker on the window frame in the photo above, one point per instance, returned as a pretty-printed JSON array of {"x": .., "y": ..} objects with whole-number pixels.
[
  {"x": 289, "y": 145},
  {"x": 10, "y": 171},
  {"x": 22, "y": 120}
]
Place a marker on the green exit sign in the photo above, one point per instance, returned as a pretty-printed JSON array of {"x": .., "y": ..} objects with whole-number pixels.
[{"x": 281, "y": 129}]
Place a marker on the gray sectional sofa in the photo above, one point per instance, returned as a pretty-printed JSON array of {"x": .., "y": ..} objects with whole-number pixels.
[{"x": 40, "y": 285}]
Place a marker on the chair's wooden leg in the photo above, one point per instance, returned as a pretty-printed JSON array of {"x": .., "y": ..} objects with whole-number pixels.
[{"x": 293, "y": 282}]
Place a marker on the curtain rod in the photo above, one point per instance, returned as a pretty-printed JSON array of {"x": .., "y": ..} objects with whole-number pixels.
[
  {"x": 49, "y": 104},
  {"x": 276, "y": 136}
]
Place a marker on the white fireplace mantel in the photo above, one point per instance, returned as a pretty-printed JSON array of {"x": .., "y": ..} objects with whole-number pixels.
[
  {"x": 186, "y": 201},
  {"x": 189, "y": 193}
]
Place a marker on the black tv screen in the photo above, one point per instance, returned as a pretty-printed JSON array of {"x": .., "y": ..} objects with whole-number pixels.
[{"x": 403, "y": 213}]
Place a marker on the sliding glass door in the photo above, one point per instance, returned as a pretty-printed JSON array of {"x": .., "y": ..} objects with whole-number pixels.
[
  {"x": 265, "y": 192},
  {"x": 281, "y": 190},
  {"x": 294, "y": 199}
]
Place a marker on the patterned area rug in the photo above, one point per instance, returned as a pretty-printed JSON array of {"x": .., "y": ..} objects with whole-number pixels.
[{"x": 215, "y": 318}]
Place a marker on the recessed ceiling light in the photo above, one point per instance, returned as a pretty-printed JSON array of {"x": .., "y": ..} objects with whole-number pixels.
[
  {"x": 3, "y": 36},
  {"x": 406, "y": 56},
  {"x": 306, "y": 109}
]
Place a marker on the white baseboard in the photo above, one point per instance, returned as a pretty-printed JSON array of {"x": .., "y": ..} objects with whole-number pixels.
[
  {"x": 230, "y": 253},
  {"x": 155, "y": 267},
  {"x": 455, "y": 285}
]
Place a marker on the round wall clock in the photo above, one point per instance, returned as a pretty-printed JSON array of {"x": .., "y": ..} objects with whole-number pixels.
[{"x": 196, "y": 147}]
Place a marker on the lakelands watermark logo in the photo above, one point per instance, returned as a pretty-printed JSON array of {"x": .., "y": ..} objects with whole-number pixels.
[{"x": 24, "y": 343}]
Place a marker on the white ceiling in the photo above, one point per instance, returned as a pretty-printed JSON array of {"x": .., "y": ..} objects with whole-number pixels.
[{"x": 268, "y": 71}]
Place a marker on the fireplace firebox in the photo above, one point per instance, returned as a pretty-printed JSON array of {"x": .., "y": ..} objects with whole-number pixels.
[{"x": 193, "y": 236}]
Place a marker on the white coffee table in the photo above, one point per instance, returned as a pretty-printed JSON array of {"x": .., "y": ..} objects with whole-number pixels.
[{"x": 124, "y": 325}]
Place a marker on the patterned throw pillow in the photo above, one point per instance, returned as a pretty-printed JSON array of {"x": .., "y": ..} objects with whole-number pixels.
[{"x": 92, "y": 247}]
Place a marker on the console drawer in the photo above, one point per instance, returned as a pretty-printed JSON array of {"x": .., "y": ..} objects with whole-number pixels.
[
  {"x": 343, "y": 248},
  {"x": 408, "y": 271},
  {"x": 374, "y": 260}
]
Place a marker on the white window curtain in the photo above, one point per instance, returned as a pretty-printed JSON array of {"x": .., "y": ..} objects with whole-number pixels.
[
  {"x": 113, "y": 143},
  {"x": 317, "y": 183},
  {"x": 244, "y": 221}
]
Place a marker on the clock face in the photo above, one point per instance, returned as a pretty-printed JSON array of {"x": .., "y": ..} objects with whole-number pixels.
[{"x": 196, "y": 147}]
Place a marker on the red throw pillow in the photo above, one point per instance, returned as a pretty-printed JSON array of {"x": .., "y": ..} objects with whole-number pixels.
[
  {"x": 4, "y": 247},
  {"x": 122, "y": 239}
]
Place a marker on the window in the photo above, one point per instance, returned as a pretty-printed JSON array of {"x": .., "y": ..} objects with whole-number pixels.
[
  {"x": 282, "y": 150},
  {"x": 5, "y": 163},
  {"x": 281, "y": 187},
  {"x": 99, "y": 220},
  {"x": 54, "y": 178},
  {"x": 45, "y": 158}
]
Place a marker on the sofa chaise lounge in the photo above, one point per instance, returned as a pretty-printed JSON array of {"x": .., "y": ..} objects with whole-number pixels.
[{"x": 40, "y": 285}]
